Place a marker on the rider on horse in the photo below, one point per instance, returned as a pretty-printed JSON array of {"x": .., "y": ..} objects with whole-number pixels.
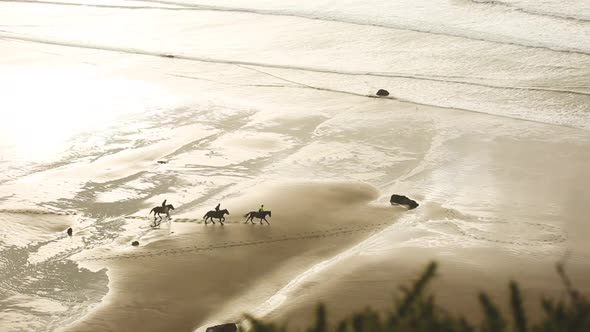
[
  {"x": 260, "y": 214},
  {"x": 164, "y": 209},
  {"x": 217, "y": 207}
]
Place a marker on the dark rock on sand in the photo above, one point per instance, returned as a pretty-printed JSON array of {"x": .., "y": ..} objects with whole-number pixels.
[
  {"x": 382, "y": 93},
  {"x": 70, "y": 231},
  {"x": 135, "y": 243},
  {"x": 403, "y": 200},
  {"x": 229, "y": 327},
  {"x": 162, "y": 162}
]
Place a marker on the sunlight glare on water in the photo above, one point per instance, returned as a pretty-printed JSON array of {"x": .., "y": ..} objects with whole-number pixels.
[{"x": 44, "y": 107}]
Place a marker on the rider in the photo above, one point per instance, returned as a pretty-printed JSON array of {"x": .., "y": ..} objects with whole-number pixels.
[
  {"x": 261, "y": 208},
  {"x": 164, "y": 203},
  {"x": 217, "y": 207}
]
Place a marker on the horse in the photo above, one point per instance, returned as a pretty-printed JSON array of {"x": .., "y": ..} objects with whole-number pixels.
[
  {"x": 260, "y": 215},
  {"x": 217, "y": 215},
  {"x": 161, "y": 209}
]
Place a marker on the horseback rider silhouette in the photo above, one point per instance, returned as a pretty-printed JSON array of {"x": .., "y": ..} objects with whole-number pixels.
[
  {"x": 217, "y": 207},
  {"x": 260, "y": 214},
  {"x": 164, "y": 209}
]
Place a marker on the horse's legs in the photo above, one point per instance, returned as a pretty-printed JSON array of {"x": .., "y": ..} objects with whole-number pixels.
[{"x": 265, "y": 220}]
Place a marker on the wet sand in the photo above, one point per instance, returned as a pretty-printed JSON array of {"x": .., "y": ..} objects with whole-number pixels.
[
  {"x": 490, "y": 137},
  {"x": 493, "y": 207},
  {"x": 478, "y": 246},
  {"x": 485, "y": 185},
  {"x": 189, "y": 277}
]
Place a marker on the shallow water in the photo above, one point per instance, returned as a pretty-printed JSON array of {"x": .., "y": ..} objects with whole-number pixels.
[{"x": 493, "y": 120}]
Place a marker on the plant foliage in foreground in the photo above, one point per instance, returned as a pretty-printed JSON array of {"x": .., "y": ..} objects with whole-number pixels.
[{"x": 417, "y": 311}]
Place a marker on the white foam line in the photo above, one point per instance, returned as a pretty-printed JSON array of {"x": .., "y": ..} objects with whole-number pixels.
[
  {"x": 408, "y": 27},
  {"x": 7, "y": 35},
  {"x": 552, "y": 14}
]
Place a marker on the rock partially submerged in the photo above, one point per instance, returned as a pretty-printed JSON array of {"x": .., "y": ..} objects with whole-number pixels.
[
  {"x": 229, "y": 327},
  {"x": 382, "y": 93},
  {"x": 70, "y": 231},
  {"x": 135, "y": 243},
  {"x": 162, "y": 162},
  {"x": 403, "y": 200}
]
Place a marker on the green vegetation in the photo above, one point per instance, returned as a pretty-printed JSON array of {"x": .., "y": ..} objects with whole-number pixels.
[{"x": 417, "y": 311}]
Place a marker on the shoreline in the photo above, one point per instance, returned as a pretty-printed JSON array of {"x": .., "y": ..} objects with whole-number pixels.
[
  {"x": 333, "y": 237},
  {"x": 111, "y": 134}
]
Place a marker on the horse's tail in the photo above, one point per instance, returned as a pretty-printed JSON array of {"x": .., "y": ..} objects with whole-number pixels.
[
  {"x": 247, "y": 214},
  {"x": 206, "y": 214},
  {"x": 152, "y": 210}
]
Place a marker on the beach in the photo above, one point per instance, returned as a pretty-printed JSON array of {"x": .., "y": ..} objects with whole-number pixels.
[{"x": 112, "y": 107}]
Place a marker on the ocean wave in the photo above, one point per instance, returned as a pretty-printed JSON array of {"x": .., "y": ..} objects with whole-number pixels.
[
  {"x": 531, "y": 11},
  {"x": 96, "y": 5},
  {"x": 573, "y": 120},
  {"x": 483, "y": 33},
  {"x": 434, "y": 78},
  {"x": 416, "y": 25}
]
